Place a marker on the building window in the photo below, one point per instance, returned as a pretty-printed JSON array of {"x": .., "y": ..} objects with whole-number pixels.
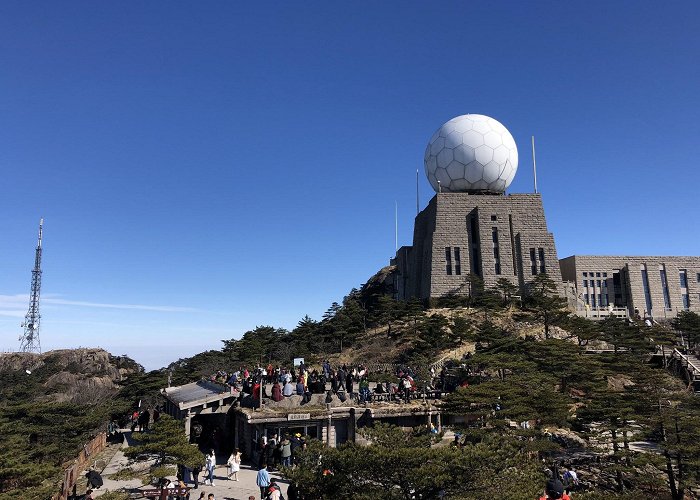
[
  {"x": 585, "y": 275},
  {"x": 686, "y": 301},
  {"x": 597, "y": 283},
  {"x": 458, "y": 262},
  {"x": 698, "y": 277},
  {"x": 475, "y": 245},
  {"x": 496, "y": 251},
  {"x": 448, "y": 261},
  {"x": 664, "y": 287},
  {"x": 617, "y": 290},
  {"x": 533, "y": 262},
  {"x": 585, "y": 297},
  {"x": 593, "y": 304},
  {"x": 605, "y": 275},
  {"x": 493, "y": 217},
  {"x": 683, "y": 275},
  {"x": 543, "y": 269},
  {"x": 585, "y": 283},
  {"x": 645, "y": 285}
]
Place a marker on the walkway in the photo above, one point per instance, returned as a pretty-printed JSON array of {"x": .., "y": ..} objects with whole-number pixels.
[{"x": 223, "y": 489}]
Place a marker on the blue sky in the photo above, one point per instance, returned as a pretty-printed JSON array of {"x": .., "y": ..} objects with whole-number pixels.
[{"x": 206, "y": 167}]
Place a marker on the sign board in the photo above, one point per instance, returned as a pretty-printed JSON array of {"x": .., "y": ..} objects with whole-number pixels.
[
  {"x": 298, "y": 361},
  {"x": 299, "y": 416},
  {"x": 165, "y": 492}
]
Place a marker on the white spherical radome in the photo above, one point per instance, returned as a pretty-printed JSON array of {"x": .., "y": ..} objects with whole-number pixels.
[{"x": 471, "y": 153}]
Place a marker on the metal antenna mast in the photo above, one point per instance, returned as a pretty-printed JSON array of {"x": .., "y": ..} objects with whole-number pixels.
[{"x": 29, "y": 341}]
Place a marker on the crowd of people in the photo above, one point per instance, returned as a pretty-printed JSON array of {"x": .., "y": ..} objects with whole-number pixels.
[
  {"x": 342, "y": 381},
  {"x": 275, "y": 453}
]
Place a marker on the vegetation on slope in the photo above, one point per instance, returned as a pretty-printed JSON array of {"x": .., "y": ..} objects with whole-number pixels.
[{"x": 44, "y": 424}]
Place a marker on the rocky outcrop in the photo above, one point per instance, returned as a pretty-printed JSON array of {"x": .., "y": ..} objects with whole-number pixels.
[{"x": 82, "y": 375}]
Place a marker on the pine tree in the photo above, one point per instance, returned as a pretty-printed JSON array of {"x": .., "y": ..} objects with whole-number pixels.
[
  {"x": 688, "y": 323},
  {"x": 625, "y": 336},
  {"x": 544, "y": 299},
  {"x": 584, "y": 330},
  {"x": 167, "y": 442},
  {"x": 506, "y": 289}
]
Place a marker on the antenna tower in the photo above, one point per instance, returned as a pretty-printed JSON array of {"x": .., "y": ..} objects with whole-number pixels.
[{"x": 29, "y": 341}]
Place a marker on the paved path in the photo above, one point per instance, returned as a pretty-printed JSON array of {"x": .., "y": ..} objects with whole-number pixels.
[{"x": 223, "y": 489}]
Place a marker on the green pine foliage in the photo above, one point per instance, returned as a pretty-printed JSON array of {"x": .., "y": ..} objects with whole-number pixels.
[
  {"x": 168, "y": 443},
  {"x": 39, "y": 436},
  {"x": 546, "y": 302},
  {"x": 688, "y": 323},
  {"x": 400, "y": 464}
]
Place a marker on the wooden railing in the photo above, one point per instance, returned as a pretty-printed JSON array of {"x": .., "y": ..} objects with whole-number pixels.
[{"x": 72, "y": 473}]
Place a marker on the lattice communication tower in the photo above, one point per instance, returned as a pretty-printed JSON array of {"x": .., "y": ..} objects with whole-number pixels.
[{"x": 29, "y": 341}]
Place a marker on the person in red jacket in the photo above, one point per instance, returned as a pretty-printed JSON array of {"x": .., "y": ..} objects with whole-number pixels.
[{"x": 277, "y": 392}]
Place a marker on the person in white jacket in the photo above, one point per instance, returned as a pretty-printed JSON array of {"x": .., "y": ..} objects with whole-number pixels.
[{"x": 211, "y": 465}]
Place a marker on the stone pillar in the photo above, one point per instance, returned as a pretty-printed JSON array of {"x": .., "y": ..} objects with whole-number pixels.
[
  {"x": 329, "y": 425},
  {"x": 188, "y": 421},
  {"x": 352, "y": 425}
]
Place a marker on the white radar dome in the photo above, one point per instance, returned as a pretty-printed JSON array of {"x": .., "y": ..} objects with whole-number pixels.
[{"x": 470, "y": 154}]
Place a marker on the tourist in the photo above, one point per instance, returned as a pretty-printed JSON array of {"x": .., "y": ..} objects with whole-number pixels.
[
  {"x": 334, "y": 381},
  {"x": 270, "y": 455},
  {"x": 274, "y": 492},
  {"x": 256, "y": 391},
  {"x": 210, "y": 496},
  {"x": 276, "y": 392},
  {"x": 263, "y": 480},
  {"x": 342, "y": 375},
  {"x": 196, "y": 470},
  {"x": 300, "y": 386},
  {"x": 262, "y": 458},
  {"x": 307, "y": 397},
  {"x": 286, "y": 445},
  {"x": 554, "y": 490},
  {"x": 288, "y": 389},
  {"x": 295, "y": 442},
  {"x": 211, "y": 465},
  {"x": 143, "y": 420},
  {"x": 234, "y": 464},
  {"x": 365, "y": 396},
  {"x": 406, "y": 387},
  {"x": 570, "y": 479}
]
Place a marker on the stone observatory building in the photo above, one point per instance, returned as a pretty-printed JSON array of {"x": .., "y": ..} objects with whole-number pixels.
[{"x": 471, "y": 226}]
